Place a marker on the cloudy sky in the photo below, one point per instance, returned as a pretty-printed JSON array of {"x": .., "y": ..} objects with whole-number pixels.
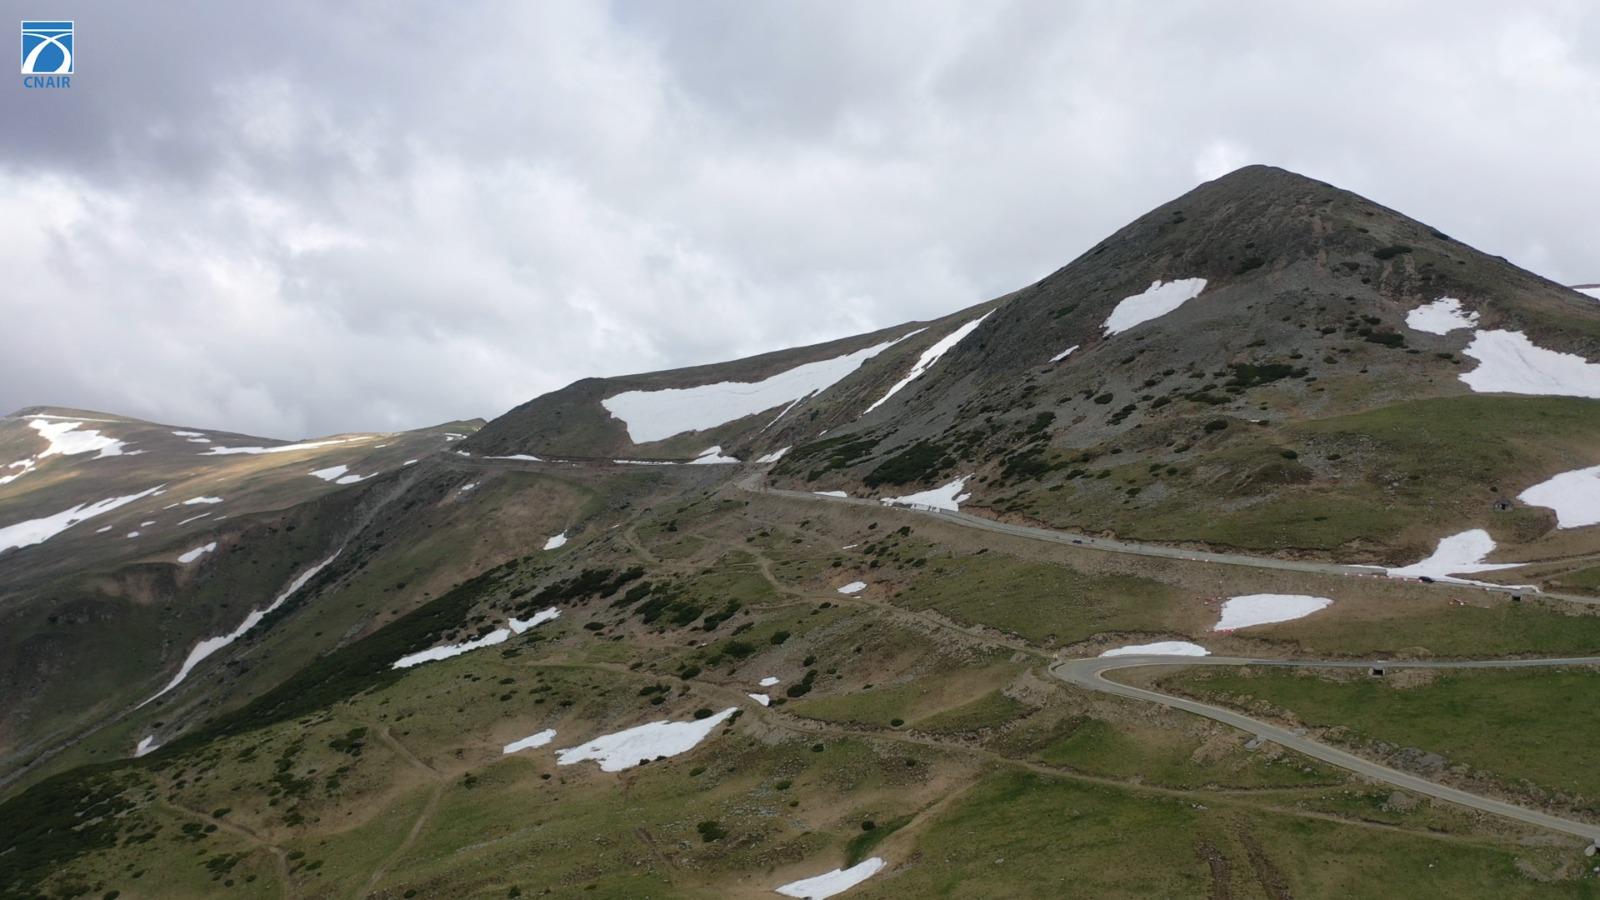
[{"x": 291, "y": 218}]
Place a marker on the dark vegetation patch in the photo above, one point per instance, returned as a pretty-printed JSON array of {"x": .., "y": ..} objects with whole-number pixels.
[{"x": 921, "y": 461}]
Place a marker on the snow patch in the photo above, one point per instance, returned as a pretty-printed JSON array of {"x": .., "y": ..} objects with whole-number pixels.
[
  {"x": 37, "y": 531},
  {"x": 523, "y": 457},
  {"x": 26, "y": 465},
  {"x": 1509, "y": 363},
  {"x": 1064, "y": 354},
  {"x": 1262, "y": 609},
  {"x": 1575, "y": 496},
  {"x": 559, "y": 540},
  {"x": 433, "y": 654},
  {"x": 1459, "y": 554},
  {"x": 211, "y": 645},
  {"x": 643, "y": 743},
  {"x": 531, "y": 741},
  {"x": 928, "y": 358},
  {"x": 336, "y": 474},
  {"x": 1160, "y": 298},
  {"x": 657, "y": 415},
  {"x": 147, "y": 745},
  {"x": 820, "y": 887},
  {"x": 282, "y": 448},
  {"x": 947, "y": 497},
  {"x": 762, "y": 699},
  {"x": 182, "y": 522},
  {"x": 1442, "y": 316},
  {"x": 712, "y": 456},
  {"x": 468, "y": 486},
  {"x": 66, "y": 440},
  {"x": 547, "y": 614},
  {"x": 409, "y": 462},
  {"x": 854, "y": 587},
  {"x": 200, "y": 501},
  {"x": 830, "y": 493},
  {"x": 768, "y": 681},
  {"x": 1160, "y": 648},
  {"x": 197, "y": 552},
  {"x": 774, "y": 456}
]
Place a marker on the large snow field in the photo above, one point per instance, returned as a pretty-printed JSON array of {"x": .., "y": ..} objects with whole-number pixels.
[
  {"x": 643, "y": 743},
  {"x": 656, "y": 415},
  {"x": 1590, "y": 291},
  {"x": 828, "y": 884},
  {"x": 37, "y": 531},
  {"x": 1160, "y": 298},
  {"x": 1442, "y": 316},
  {"x": 946, "y": 496},
  {"x": 1575, "y": 496},
  {"x": 1264, "y": 609},
  {"x": 212, "y": 644},
  {"x": 1509, "y": 363},
  {"x": 1458, "y": 554},
  {"x": 1160, "y": 648},
  {"x": 538, "y": 739},
  {"x": 928, "y": 358}
]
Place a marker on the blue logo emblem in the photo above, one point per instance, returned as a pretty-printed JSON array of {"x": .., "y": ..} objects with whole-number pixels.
[{"x": 47, "y": 48}]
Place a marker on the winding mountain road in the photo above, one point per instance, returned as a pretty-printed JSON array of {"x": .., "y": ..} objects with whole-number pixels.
[{"x": 1090, "y": 675}]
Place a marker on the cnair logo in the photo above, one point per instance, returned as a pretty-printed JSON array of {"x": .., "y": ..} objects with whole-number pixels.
[{"x": 47, "y": 50}]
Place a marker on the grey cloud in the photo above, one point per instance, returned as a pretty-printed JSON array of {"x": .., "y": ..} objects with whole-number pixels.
[{"x": 295, "y": 219}]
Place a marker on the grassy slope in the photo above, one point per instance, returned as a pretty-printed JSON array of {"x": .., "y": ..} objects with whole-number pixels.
[{"x": 1524, "y": 728}]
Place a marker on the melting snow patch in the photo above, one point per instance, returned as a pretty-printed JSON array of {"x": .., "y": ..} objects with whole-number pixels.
[
  {"x": 202, "y": 501},
  {"x": 762, "y": 699},
  {"x": 193, "y": 518},
  {"x": 1442, "y": 316},
  {"x": 928, "y": 358},
  {"x": 820, "y": 887},
  {"x": 409, "y": 462},
  {"x": 146, "y": 745},
  {"x": 188, "y": 434},
  {"x": 712, "y": 456},
  {"x": 830, "y": 493},
  {"x": 768, "y": 681},
  {"x": 656, "y": 415},
  {"x": 1509, "y": 363},
  {"x": 197, "y": 552},
  {"x": 1160, "y": 298},
  {"x": 1064, "y": 354},
  {"x": 281, "y": 448},
  {"x": 336, "y": 474},
  {"x": 1459, "y": 554},
  {"x": 523, "y": 457},
  {"x": 102, "y": 529},
  {"x": 432, "y": 654},
  {"x": 644, "y": 462},
  {"x": 1575, "y": 496},
  {"x": 1590, "y": 290},
  {"x": 772, "y": 457},
  {"x": 643, "y": 743},
  {"x": 26, "y": 465},
  {"x": 559, "y": 540},
  {"x": 1261, "y": 609},
  {"x": 854, "y": 587},
  {"x": 211, "y": 645},
  {"x": 132, "y": 534},
  {"x": 547, "y": 614},
  {"x": 1160, "y": 648},
  {"x": 37, "y": 531},
  {"x": 66, "y": 440},
  {"x": 468, "y": 486},
  {"x": 947, "y": 497},
  {"x": 531, "y": 741}
]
